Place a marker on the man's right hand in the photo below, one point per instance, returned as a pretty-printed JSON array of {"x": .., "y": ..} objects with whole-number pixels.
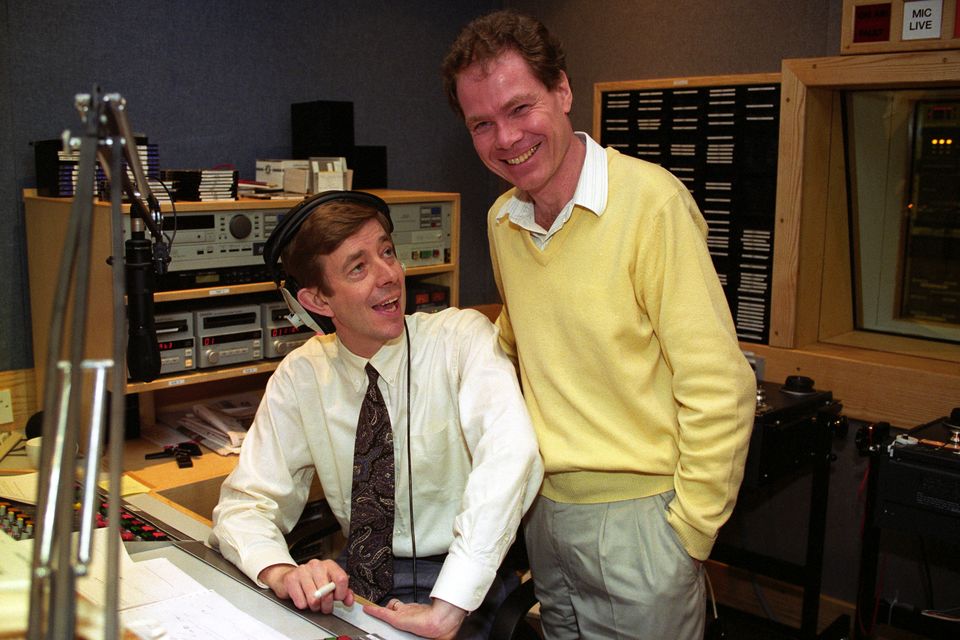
[{"x": 299, "y": 583}]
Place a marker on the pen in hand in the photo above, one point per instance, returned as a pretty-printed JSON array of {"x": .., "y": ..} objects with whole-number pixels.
[{"x": 324, "y": 590}]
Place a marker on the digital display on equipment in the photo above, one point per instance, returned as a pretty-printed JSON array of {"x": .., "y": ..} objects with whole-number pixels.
[
  {"x": 169, "y": 345},
  {"x": 215, "y": 322},
  {"x": 184, "y": 223},
  {"x": 288, "y": 331},
  {"x": 209, "y": 341}
]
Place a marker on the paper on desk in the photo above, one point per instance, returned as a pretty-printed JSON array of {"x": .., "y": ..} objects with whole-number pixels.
[
  {"x": 160, "y": 434},
  {"x": 157, "y": 595},
  {"x": 141, "y": 583},
  {"x": 22, "y": 488},
  {"x": 128, "y": 486},
  {"x": 377, "y": 628},
  {"x": 14, "y": 586},
  {"x": 15, "y": 568},
  {"x": 203, "y": 615},
  {"x": 154, "y": 595},
  {"x": 220, "y": 424},
  {"x": 15, "y": 581}
]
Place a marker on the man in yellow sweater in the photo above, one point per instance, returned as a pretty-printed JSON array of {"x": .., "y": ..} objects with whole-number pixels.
[{"x": 642, "y": 401}]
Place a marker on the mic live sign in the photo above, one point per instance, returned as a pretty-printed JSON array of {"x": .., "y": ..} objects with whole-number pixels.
[{"x": 922, "y": 20}]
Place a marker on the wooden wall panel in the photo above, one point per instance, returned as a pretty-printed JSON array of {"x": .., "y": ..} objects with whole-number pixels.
[{"x": 23, "y": 392}]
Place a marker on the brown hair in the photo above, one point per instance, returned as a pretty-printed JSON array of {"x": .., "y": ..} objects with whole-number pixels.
[
  {"x": 486, "y": 37},
  {"x": 321, "y": 233}
]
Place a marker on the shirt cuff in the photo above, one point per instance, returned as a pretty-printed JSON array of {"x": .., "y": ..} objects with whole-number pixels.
[
  {"x": 258, "y": 560},
  {"x": 462, "y": 583}
]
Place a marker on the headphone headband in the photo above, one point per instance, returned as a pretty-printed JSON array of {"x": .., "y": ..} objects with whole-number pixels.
[
  {"x": 284, "y": 233},
  {"x": 293, "y": 219}
]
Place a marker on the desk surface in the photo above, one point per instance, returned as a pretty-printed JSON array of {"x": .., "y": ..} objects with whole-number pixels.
[
  {"x": 193, "y": 491},
  {"x": 163, "y": 473},
  {"x": 169, "y": 486},
  {"x": 157, "y": 474}
]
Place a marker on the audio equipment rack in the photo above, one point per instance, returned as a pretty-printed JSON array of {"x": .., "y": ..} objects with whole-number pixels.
[{"x": 46, "y": 220}]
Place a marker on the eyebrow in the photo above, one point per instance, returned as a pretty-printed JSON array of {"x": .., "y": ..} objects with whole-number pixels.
[
  {"x": 507, "y": 106},
  {"x": 356, "y": 255}
]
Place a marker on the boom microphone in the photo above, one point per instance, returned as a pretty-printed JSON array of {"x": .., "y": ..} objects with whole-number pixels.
[
  {"x": 143, "y": 258},
  {"x": 143, "y": 351}
]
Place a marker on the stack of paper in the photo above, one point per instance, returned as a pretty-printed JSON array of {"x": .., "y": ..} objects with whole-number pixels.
[
  {"x": 218, "y": 424},
  {"x": 328, "y": 174}
]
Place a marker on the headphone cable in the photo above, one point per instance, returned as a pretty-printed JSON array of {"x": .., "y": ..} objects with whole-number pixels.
[{"x": 413, "y": 535}]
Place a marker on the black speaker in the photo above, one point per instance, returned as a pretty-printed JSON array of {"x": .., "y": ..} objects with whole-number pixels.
[
  {"x": 369, "y": 166},
  {"x": 131, "y": 419},
  {"x": 321, "y": 128}
]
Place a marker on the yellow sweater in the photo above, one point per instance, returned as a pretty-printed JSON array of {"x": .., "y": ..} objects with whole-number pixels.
[{"x": 627, "y": 353}]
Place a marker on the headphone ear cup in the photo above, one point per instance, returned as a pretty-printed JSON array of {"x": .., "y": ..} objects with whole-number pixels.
[
  {"x": 301, "y": 316},
  {"x": 284, "y": 232}
]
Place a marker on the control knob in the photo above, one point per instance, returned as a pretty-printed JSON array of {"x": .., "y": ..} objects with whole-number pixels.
[
  {"x": 798, "y": 385},
  {"x": 240, "y": 226}
]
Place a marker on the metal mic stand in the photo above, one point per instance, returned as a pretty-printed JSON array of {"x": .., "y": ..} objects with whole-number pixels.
[{"x": 56, "y": 565}]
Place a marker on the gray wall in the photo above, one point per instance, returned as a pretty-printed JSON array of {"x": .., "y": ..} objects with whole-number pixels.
[
  {"x": 211, "y": 82},
  {"x": 612, "y": 40}
]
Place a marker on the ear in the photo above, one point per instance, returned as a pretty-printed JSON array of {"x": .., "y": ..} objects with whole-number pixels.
[
  {"x": 564, "y": 93},
  {"x": 313, "y": 300}
]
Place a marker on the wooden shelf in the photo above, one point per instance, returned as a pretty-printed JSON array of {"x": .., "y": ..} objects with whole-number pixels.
[
  {"x": 266, "y": 287},
  {"x": 429, "y": 270},
  {"x": 199, "y": 376},
  {"x": 215, "y": 292}
]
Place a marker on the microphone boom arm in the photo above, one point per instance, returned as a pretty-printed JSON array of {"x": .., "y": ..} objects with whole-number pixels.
[{"x": 144, "y": 205}]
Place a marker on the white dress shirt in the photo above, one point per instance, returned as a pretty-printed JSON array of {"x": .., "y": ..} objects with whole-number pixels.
[
  {"x": 591, "y": 194},
  {"x": 476, "y": 465}
]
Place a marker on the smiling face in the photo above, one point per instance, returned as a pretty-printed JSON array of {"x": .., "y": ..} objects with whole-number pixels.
[
  {"x": 366, "y": 282},
  {"x": 520, "y": 128}
]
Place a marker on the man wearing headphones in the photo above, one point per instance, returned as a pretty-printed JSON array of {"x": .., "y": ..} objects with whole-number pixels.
[{"x": 465, "y": 461}]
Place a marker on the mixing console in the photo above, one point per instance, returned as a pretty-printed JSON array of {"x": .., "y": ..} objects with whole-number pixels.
[{"x": 19, "y": 521}]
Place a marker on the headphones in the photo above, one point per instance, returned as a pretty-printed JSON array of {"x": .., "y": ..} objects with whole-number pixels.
[{"x": 284, "y": 233}]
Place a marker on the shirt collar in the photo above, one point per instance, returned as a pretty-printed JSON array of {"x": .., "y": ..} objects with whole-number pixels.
[
  {"x": 591, "y": 191},
  {"x": 388, "y": 361}
]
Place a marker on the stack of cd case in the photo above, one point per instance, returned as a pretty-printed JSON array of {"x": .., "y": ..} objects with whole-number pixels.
[
  {"x": 201, "y": 184},
  {"x": 58, "y": 169}
]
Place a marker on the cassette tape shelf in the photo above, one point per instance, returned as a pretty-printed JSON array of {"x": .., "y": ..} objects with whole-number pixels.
[{"x": 217, "y": 316}]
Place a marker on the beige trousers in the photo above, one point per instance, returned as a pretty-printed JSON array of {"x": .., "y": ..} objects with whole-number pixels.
[{"x": 613, "y": 570}]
